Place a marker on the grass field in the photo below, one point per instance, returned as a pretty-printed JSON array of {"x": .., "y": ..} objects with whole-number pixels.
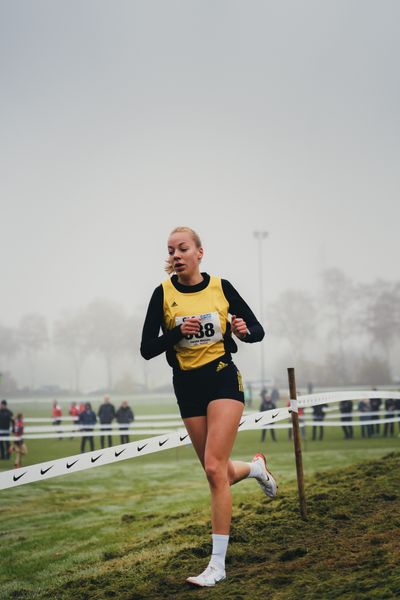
[{"x": 137, "y": 529}]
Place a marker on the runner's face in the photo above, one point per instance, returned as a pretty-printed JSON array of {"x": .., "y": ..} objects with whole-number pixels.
[{"x": 184, "y": 255}]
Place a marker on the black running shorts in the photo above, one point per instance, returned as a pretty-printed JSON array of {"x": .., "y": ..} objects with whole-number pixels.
[{"x": 196, "y": 388}]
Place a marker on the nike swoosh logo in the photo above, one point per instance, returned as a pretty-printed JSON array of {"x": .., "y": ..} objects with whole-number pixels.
[
  {"x": 120, "y": 452},
  {"x": 43, "y": 471},
  {"x": 241, "y": 423},
  {"x": 162, "y": 443},
  {"x": 97, "y": 458},
  {"x": 72, "y": 464},
  {"x": 259, "y": 419},
  {"x": 141, "y": 447},
  {"x": 273, "y": 416},
  {"x": 16, "y": 477},
  {"x": 183, "y": 437}
]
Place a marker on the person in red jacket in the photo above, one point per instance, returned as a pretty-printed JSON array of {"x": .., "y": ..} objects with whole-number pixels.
[
  {"x": 19, "y": 446},
  {"x": 56, "y": 414},
  {"x": 74, "y": 412}
]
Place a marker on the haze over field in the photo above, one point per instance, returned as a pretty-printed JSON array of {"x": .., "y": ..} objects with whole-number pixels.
[{"x": 121, "y": 120}]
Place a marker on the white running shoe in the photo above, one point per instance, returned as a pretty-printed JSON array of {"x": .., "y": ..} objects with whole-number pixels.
[
  {"x": 213, "y": 574},
  {"x": 266, "y": 480}
]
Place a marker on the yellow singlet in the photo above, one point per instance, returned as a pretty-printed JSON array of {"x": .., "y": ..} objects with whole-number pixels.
[{"x": 211, "y": 307}]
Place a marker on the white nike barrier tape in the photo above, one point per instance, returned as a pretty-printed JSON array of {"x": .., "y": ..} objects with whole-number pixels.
[
  {"x": 327, "y": 397},
  {"x": 163, "y": 420},
  {"x": 88, "y": 460},
  {"x": 73, "y": 419},
  {"x": 350, "y": 423},
  {"x": 102, "y": 427},
  {"x": 81, "y": 434}
]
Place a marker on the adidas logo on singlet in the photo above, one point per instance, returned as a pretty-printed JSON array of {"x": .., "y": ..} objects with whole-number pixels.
[
  {"x": 221, "y": 365},
  {"x": 174, "y": 304}
]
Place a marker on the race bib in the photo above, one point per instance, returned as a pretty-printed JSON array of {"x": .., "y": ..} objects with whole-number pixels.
[{"x": 210, "y": 330}]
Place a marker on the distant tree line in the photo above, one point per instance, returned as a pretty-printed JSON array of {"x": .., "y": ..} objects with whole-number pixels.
[
  {"x": 346, "y": 332},
  {"x": 357, "y": 325},
  {"x": 102, "y": 328}
]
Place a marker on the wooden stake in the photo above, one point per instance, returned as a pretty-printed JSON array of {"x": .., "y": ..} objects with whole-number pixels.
[{"x": 297, "y": 444}]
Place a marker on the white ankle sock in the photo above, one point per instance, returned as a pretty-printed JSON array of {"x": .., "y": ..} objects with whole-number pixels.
[
  {"x": 255, "y": 469},
  {"x": 220, "y": 546}
]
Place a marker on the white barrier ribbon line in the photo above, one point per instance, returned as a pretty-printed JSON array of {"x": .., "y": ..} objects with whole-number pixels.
[
  {"x": 355, "y": 413},
  {"x": 170, "y": 424},
  {"x": 327, "y": 397},
  {"x": 102, "y": 427},
  {"x": 73, "y": 420},
  {"x": 247, "y": 422},
  {"x": 80, "y": 434},
  {"x": 303, "y": 423},
  {"x": 88, "y": 460},
  {"x": 351, "y": 423},
  {"x": 70, "y": 419}
]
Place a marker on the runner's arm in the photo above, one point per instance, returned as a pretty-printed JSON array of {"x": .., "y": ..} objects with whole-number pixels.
[
  {"x": 152, "y": 343},
  {"x": 238, "y": 307}
]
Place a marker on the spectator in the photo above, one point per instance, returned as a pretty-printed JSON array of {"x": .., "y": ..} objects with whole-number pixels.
[
  {"x": 275, "y": 395},
  {"x": 397, "y": 406},
  {"x": 6, "y": 425},
  {"x": 81, "y": 407},
  {"x": 124, "y": 417},
  {"x": 346, "y": 408},
  {"x": 248, "y": 395},
  {"x": 318, "y": 415},
  {"x": 74, "y": 412},
  {"x": 87, "y": 419},
  {"x": 18, "y": 445},
  {"x": 266, "y": 404},
  {"x": 106, "y": 416},
  {"x": 364, "y": 407},
  {"x": 56, "y": 414},
  {"x": 375, "y": 406},
  {"x": 390, "y": 410}
]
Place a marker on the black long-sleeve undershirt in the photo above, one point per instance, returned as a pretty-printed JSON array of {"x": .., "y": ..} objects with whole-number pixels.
[{"x": 153, "y": 344}]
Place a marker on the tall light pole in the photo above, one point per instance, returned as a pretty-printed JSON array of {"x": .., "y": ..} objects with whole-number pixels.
[{"x": 260, "y": 236}]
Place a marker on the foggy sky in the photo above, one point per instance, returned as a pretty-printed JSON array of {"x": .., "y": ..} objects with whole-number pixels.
[{"x": 123, "y": 119}]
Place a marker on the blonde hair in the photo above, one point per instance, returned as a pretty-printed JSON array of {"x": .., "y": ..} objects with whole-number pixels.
[{"x": 195, "y": 237}]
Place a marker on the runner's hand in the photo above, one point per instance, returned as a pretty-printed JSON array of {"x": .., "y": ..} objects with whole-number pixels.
[
  {"x": 190, "y": 326},
  {"x": 239, "y": 327}
]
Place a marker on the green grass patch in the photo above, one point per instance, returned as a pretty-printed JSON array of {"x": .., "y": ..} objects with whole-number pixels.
[{"x": 138, "y": 528}]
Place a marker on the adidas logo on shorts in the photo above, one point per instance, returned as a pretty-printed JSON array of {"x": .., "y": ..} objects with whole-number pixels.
[{"x": 221, "y": 365}]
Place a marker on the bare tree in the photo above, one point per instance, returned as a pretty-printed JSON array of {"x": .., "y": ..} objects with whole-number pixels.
[
  {"x": 338, "y": 306},
  {"x": 373, "y": 370},
  {"x": 107, "y": 332},
  {"x": 293, "y": 318},
  {"x": 9, "y": 342},
  {"x": 380, "y": 317},
  {"x": 71, "y": 337},
  {"x": 32, "y": 337}
]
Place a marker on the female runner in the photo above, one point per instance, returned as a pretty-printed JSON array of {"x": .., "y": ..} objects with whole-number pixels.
[{"x": 191, "y": 308}]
